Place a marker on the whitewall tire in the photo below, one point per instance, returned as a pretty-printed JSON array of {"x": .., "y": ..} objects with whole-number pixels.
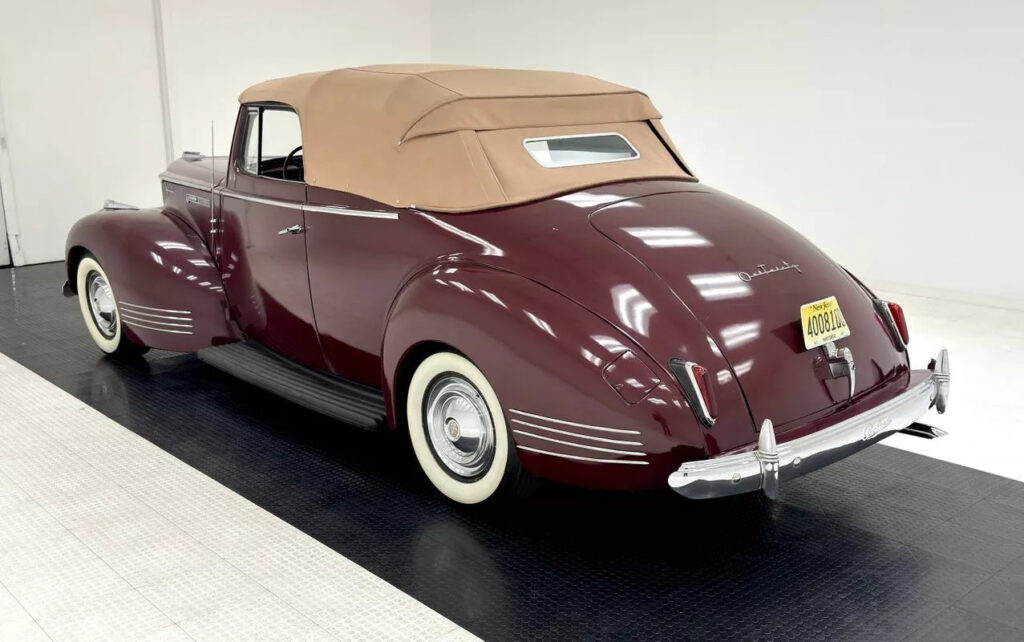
[
  {"x": 99, "y": 309},
  {"x": 457, "y": 428}
]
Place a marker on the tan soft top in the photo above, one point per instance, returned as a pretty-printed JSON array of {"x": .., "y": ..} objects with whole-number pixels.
[{"x": 449, "y": 138}]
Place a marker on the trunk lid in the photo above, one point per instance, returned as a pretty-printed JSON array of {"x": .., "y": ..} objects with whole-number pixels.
[{"x": 707, "y": 248}]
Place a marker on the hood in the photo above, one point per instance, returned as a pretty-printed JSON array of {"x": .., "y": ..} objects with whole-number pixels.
[{"x": 744, "y": 275}]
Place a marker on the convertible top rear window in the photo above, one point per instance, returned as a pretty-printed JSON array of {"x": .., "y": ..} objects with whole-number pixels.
[{"x": 581, "y": 149}]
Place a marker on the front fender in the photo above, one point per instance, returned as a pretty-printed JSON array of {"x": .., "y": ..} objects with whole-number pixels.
[
  {"x": 159, "y": 268},
  {"x": 545, "y": 357}
]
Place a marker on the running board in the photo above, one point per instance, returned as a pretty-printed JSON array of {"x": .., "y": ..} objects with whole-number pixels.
[
  {"x": 347, "y": 401},
  {"x": 924, "y": 431}
]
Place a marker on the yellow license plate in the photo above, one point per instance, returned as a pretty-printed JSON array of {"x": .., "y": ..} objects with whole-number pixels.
[{"x": 822, "y": 322}]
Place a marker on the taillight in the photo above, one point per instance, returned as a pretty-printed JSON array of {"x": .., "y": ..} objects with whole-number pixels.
[
  {"x": 696, "y": 382},
  {"x": 895, "y": 322},
  {"x": 900, "y": 320}
]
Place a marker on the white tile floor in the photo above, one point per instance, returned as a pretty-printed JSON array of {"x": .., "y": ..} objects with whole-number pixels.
[
  {"x": 104, "y": 536},
  {"x": 985, "y": 419}
]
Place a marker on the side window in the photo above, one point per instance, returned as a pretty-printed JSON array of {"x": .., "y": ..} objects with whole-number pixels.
[{"x": 273, "y": 144}]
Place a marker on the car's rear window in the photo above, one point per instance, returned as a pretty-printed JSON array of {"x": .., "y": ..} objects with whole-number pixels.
[{"x": 581, "y": 149}]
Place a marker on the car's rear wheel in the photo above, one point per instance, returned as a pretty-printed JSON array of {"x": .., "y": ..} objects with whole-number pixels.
[
  {"x": 458, "y": 433},
  {"x": 99, "y": 310}
]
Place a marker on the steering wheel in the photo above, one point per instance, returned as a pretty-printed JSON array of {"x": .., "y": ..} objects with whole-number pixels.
[{"x": 287, "y": 159}]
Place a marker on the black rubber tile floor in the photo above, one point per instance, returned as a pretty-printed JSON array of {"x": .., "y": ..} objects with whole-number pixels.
[{"x": 884, "y": 545}]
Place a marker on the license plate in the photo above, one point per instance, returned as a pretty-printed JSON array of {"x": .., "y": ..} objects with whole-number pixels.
[{"x": 822, "y": 322}]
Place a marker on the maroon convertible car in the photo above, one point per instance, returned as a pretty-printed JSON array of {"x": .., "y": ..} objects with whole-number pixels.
[{"x": 518, "y": 269}]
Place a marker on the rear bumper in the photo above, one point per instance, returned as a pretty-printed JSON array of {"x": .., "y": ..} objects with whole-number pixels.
[{"x": 767, "y": 465}]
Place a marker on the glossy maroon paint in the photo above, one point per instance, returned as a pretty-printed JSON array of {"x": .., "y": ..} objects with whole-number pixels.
[
  {"x": 155, "y": 259},
  {"x": 559, "y": 302}
]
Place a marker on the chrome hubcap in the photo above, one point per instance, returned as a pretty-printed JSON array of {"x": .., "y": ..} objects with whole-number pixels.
[
  {"x": 459, "y": 426},
  {"x": 101, "y": 304}
]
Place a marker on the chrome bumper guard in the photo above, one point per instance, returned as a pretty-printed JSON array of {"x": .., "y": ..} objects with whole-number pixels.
[{"x": 763, "y": 468}]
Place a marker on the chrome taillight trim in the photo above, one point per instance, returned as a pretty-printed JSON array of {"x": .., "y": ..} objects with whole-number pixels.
[
  {"x": 692, "y": 390},
  {"x": 882, "y": 307}
]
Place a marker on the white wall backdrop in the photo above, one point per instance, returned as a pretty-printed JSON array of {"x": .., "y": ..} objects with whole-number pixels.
[
  {"x": 888, "y": 132},
  {"x": 80, "y": 91},
  {"x": 217, "y": 49},
  {"x": 81, "y": 115}
]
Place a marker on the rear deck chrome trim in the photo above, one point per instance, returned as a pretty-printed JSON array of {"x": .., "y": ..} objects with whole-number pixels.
[
  {"x": 634, "y": 462},
  {"x": 573, "y": 423}
]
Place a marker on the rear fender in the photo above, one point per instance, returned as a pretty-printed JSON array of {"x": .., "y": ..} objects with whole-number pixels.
[
  {"x": 544, "y": 355},
  {"x": 161, "y": 272}
]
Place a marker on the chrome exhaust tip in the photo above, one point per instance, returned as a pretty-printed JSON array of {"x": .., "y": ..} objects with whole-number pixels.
[{"x": 924, "y": 431}]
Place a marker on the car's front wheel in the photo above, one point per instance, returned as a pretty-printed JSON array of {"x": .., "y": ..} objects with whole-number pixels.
[
  {"x": 99, "y": 309},
  {"x": 457, "y": 429}
]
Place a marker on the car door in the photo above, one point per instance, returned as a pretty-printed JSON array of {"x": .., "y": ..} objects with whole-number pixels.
[{"x": 263, "y": 248}]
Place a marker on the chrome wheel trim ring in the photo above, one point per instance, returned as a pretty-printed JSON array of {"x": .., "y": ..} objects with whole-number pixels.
[
  {"x": 459, "y": 426},
  {"x": 101, "y": 304}
]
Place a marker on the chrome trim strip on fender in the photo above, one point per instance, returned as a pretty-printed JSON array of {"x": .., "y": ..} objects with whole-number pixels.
[
  {"x": 136, "y": 324},
  {"x": 144, "y": 307},
  {"x": 764, "y": 467},
  {"x": 132, "y": 310},
  {"x": 198, "y": 200},
  {"x": 573, "y": 423},
  {"x": 574, "y": 445},
  {"x": 177, "y": 179},
  {"x": 134, "y": 319},
  {"x": 633, "y": 462},
  {"x": 604, "y": 440}
]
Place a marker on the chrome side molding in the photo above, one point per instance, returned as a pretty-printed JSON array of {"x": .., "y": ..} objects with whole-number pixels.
[{"x": 318, "y": 209}]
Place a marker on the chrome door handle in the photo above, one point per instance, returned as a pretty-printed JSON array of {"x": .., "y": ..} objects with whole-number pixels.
[{"x": 293, "y": 229}]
